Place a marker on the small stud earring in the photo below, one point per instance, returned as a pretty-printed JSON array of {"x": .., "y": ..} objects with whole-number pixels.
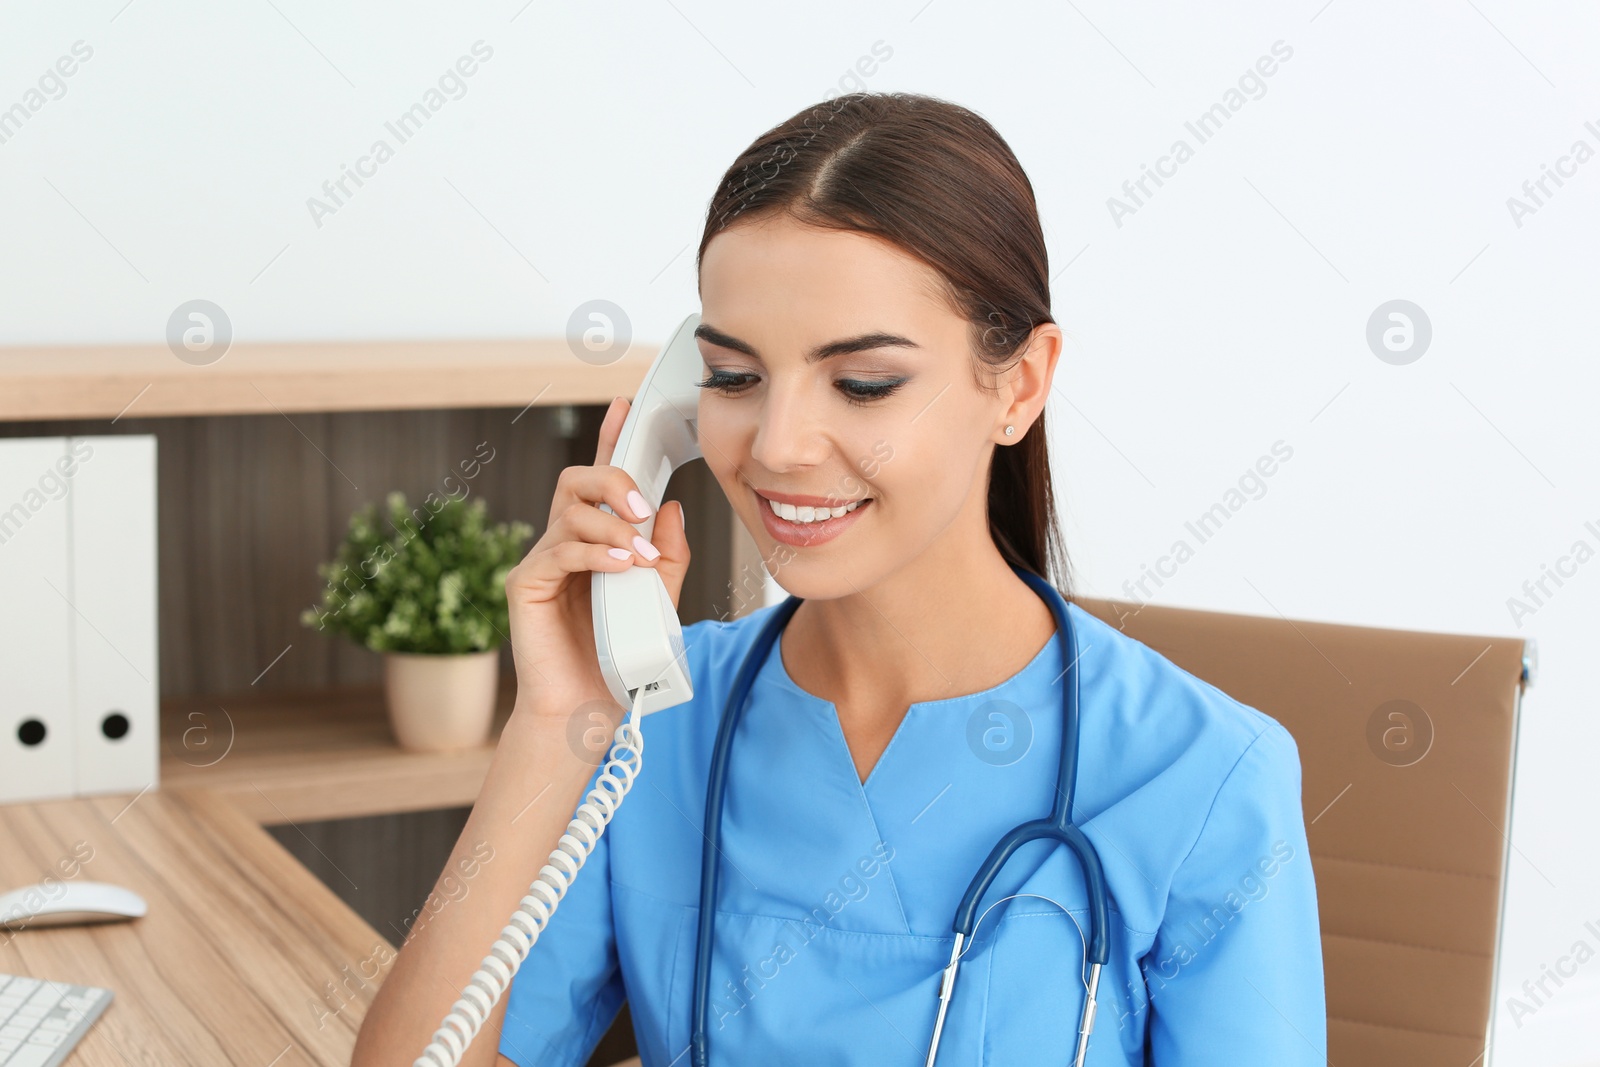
[{"x": 1010, "y": 430}]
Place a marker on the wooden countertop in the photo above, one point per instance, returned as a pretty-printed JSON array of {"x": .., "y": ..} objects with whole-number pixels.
[
  {"x": 104, "y": 381},
  {"x": 244, "y": 956},
  {"x": 324, "y": 754}
]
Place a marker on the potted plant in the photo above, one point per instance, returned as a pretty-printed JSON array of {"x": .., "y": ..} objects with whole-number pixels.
[{"x": 430, "y": 595}]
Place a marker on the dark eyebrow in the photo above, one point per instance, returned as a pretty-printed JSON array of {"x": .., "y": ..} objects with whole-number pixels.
[{"x": 865, "y": 342}]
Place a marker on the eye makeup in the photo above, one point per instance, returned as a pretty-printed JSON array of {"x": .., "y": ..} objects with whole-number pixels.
[{"x": 857, "y": 391}]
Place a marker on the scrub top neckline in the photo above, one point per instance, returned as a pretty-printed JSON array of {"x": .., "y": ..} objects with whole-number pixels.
[{"x": 775, "y": 666}]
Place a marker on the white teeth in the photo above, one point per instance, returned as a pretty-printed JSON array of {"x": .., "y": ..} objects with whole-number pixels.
[{"x": 796, "y": 514}]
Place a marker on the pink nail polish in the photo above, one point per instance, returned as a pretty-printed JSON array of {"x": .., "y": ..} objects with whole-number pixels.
[
  {"x": 620, "y": 553},
  {"x": 646, "y": 549},
  {"x": 636, "y": 502}
]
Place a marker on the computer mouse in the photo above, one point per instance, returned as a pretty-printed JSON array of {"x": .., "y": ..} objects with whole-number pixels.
[{"x": 61, "y": 903}]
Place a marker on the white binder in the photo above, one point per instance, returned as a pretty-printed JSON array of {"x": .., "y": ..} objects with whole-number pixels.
[
  {"x": 112, "y": 557},
  {"x": 37, "y": 760},
  {"x": 78, "y": 649}
]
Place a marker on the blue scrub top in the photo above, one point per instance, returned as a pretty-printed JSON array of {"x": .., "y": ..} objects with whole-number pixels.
[{"x": 836, "y": 897}]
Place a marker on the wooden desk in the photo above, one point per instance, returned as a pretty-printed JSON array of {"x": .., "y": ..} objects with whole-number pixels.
[{"x": 244, "y": 957}]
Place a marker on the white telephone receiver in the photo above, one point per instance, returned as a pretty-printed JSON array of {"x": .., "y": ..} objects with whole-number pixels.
[
  {"x": 636, "y": 629},
  {"x": 639, "y": 641}
]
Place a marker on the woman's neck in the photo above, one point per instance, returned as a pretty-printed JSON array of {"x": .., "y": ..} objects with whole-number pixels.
[{"x": 928, "y": 632}]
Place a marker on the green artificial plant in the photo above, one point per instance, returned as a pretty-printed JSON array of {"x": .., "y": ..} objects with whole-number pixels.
[{"x": 435, "y": 584}]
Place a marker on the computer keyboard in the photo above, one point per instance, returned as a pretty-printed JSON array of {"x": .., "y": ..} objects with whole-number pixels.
[{"x": 41, "y": 1022}]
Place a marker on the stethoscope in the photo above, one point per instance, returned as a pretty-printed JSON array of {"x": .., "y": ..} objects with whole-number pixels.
[{"x": 1057, "y": 827}]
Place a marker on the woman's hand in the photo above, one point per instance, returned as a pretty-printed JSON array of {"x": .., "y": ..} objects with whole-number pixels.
[
  {"x": 552, "y": 623},
  {"x": 552, "y": 642}
]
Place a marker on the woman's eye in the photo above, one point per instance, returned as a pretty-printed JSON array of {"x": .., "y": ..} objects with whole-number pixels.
[
  {"x": 860, "y": 392},
  {"x": 724, "y": 382},
  {"x": 855, "y": 391}
]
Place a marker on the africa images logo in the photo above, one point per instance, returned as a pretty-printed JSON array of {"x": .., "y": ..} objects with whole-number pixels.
[{"x": 337, "y": 191}]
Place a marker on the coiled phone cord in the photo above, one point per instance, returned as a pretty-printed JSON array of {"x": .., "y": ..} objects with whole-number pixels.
[{"x": 505, "y": 957}]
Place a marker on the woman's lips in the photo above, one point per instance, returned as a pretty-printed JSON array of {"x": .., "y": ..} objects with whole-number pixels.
[{"x": 807, "y": 534}]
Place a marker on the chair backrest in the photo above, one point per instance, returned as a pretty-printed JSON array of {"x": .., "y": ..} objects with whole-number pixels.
[{"x": 1407, "y": 750}]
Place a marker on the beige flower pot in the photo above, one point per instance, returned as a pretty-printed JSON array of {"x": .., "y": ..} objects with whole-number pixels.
[{"x": 439, "y": 703}]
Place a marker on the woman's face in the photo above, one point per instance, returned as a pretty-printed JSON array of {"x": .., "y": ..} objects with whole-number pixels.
[{"x": 841, "y": 376}]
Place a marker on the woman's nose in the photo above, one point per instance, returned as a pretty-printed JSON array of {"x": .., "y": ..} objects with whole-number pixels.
[{"x": 787, "y": 434}]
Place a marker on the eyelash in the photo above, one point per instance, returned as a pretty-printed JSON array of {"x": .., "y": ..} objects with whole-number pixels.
[{"x": 860, "y": 393}]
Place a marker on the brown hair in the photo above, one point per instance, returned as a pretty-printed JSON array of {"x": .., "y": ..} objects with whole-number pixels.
[{"x": 938, "y": 182}]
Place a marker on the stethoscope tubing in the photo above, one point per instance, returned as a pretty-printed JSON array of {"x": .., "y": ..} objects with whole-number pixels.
[
  {"x": 710, "y": 852},
  {"x": 1057, "y": 827}
]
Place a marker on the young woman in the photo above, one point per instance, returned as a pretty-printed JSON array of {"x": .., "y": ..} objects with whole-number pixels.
[{"x": 877, "y": 337}]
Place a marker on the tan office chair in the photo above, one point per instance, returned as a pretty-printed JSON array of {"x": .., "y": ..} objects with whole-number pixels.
[{"x": 1407, "y": 750}]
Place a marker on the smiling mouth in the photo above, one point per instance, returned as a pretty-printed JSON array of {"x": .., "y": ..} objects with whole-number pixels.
[
  {"x": 808, "y": 525},
  {"x": 801, "y": 514}
]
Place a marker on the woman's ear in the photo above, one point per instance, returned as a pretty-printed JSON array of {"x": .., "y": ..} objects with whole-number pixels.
[{"x": 1029, "y": 382}]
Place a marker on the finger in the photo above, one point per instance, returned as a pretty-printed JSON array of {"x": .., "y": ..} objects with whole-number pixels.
[
  {"x": 599, "y": 485},
  {"x": 673, "y": 532},
  {"x": 588, "y": 524},
  {"x": 670, "y": 538},
  {"x": 611, "y": 429},
  {"x": 542, "y": 574}
]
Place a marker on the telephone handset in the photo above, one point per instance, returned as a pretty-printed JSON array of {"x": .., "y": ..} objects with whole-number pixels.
[
  {"x": 639, "y": 642},
  {"x": 636, "y": 629}
]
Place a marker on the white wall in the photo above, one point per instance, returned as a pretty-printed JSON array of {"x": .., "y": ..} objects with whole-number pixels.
[{"x": 1225, "y": 314}]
